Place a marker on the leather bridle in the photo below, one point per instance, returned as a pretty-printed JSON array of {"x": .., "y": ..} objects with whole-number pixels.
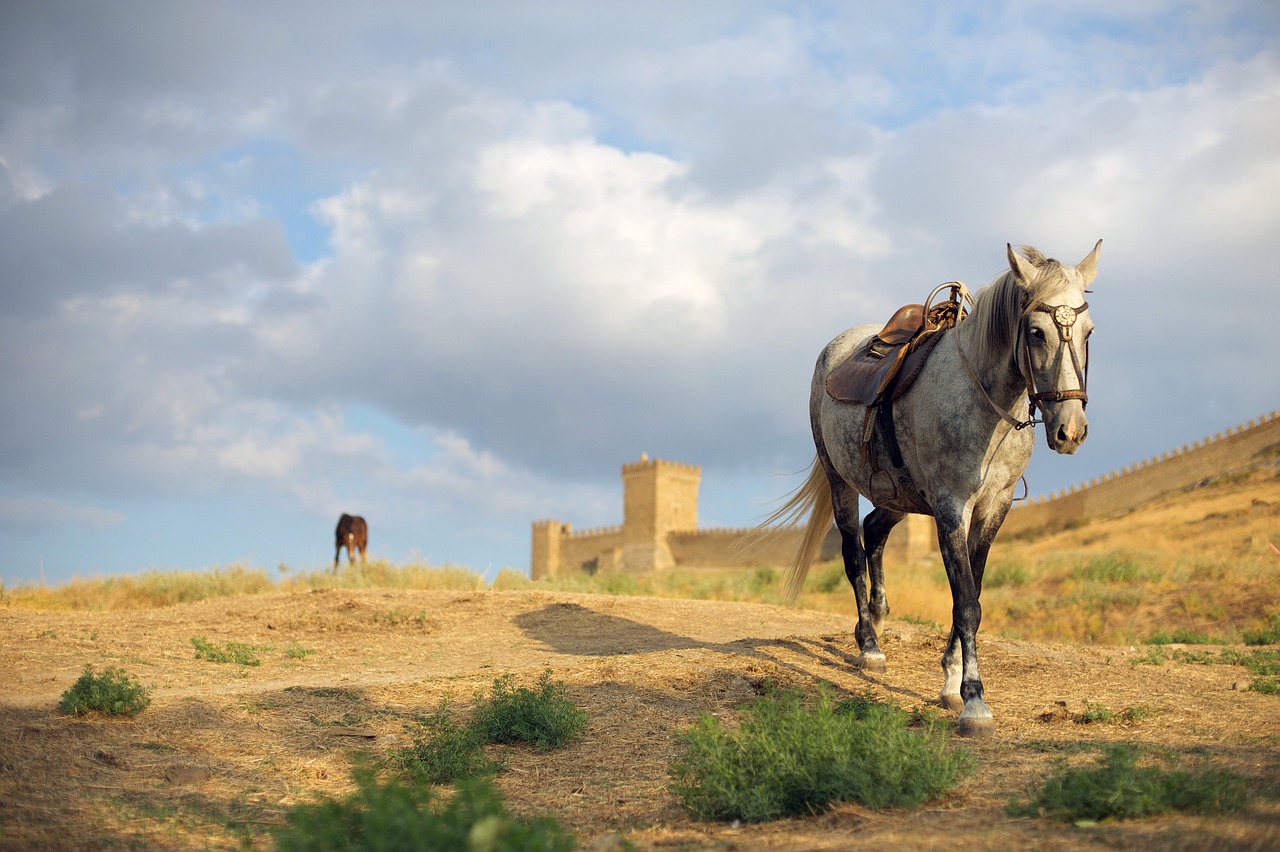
[{"x": 1064, "y": 318}]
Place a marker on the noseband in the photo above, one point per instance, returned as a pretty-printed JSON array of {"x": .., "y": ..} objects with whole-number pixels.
[{"x": 1064, "y": 317}]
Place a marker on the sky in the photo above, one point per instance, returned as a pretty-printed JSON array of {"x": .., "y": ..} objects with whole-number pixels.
[{"x": 450, "y": 265}]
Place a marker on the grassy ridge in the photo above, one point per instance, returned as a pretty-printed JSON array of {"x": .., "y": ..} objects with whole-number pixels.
[
  {"x": 1197, "y": 566},
  {"x": 1115, "y": 597}
]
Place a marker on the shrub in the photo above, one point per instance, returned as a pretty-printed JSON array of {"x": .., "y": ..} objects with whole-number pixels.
[
  {"x": 394, "y": 816},
  {"x": 443, "y": 751},
  {"x": 789, "y": 758},
  {"x": 1269, "y": 635},
  {"x": 545, "y": 717},
  {"x": 112, "y": 693},
  {"x": 830, "y": 578},
  {"x": 1120, "y": 789}
]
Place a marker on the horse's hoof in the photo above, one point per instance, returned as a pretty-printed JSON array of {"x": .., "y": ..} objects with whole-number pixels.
[
  {"x": 976, "y": 719},
  {"x": 977, "y": 727},
  {"x": 871, "y": 663},
  {"x": 952, "y": 702}
]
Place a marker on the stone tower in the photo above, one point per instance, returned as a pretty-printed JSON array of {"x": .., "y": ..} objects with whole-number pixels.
[
  {"x": 658, "y": 497},
  {"x": 545, "y": 559}
]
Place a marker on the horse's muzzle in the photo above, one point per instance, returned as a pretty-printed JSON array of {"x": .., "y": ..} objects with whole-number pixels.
[{"x": 1066, "y": 434}]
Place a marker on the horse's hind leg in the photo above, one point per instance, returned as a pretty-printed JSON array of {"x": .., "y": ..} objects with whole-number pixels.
[
  {"x": 875, "y": 532},
  {"x": 845, "y": 502}
]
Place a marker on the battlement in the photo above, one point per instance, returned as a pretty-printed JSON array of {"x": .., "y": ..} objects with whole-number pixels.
[
  {"x": 1166, "y": 473},
  {"x": 647, "y": 463},
  {"x": 660, "y": 511},
  {"x": 1168, "y": 455},
  {"x": 594, "y": 533}
]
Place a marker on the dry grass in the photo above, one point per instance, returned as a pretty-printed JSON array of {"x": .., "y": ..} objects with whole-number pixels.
[
  {"x": 1200, "y": 562},
  {"x": 224, "y": 750}
]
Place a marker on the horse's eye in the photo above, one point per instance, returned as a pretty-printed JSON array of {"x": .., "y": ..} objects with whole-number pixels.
[{"x": 1037, "y": 333}]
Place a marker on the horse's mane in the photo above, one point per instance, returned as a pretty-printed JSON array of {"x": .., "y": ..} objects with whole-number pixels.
[{"x": 1000, "y": 306}]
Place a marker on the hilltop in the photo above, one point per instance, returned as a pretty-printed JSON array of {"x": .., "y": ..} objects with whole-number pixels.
[{"x": 342, "y": 671}]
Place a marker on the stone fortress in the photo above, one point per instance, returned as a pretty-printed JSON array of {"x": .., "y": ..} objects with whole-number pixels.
[{"x": 659, "y": 528}]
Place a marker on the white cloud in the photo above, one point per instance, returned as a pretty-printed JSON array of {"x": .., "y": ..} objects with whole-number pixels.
[{"x": 558, "y": 238}]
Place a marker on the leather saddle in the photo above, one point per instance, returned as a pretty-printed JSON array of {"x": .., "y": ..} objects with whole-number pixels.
[{"x": 883, "y": 367}]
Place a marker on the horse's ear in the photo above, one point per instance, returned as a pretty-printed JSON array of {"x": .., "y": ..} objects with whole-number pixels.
[
  {"x": 1023, "y": 269},
  {"x": 1088, "y": 267}
]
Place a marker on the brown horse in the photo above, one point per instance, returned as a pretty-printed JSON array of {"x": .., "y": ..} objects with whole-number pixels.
[{"x": 353, "y": 534}]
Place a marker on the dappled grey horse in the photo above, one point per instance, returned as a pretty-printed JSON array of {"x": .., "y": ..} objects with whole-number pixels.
[{"x": 953, "y": 445}]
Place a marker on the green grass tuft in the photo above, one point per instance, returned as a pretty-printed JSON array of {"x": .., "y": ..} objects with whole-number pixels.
[
  {"x": 788, "y": 757},
  {"x": 544, "y": 717},
  {"x": 1110, "y": 568},
  {"x": 1119, "y": 788},
  {"x": 112, "y": 693},
  {"x": 1008, "y": 575},
  {"x": 228, "y": 652},
  {"x": 382, "y": 816},
  {"x": 1094, "y": 713}
]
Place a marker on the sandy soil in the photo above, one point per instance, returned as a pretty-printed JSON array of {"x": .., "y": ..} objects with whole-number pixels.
[{"x": 224, "y": 749}]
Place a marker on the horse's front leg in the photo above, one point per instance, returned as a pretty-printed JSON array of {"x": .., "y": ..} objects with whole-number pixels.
[
  {"x": 966, "y": 615},
  {"x": 845, "y": 502}
]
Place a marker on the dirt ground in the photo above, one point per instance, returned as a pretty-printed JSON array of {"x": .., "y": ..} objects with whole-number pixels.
[{"x": 224, "y": 749}]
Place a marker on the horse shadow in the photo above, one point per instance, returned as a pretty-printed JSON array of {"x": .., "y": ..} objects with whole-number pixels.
[{"x": 575, "y": 630}]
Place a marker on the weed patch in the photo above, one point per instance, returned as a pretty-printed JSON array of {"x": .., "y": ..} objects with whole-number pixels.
[
  {"x": 1268, "y": 635},
  {"x": 1119, "y": 788},
  {"x": 112, "y": 693},
  {"x": 229, "y": 652},
  {"x": 1263, "y": 665},
  {"x": 787, "y": 757},
  {"x": 397, "y": 816},
  {"x": 443, "y": 751},
  {"x": 1109, "y": 568},
  {"x": 1181, "y": 637}
]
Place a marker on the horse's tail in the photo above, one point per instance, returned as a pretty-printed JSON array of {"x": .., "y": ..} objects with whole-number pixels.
[{"x": 814, "y": 499}]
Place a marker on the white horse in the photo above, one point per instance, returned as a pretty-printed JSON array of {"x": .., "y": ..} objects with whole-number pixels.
[{"x": 961, "y": 450}]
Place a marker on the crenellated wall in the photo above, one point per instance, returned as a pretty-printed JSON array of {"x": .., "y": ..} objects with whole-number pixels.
[
  {"x": 1119, "y": 491},
  {"x": 660, "y": 515},
  {"x": 659, "y": 531}
]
